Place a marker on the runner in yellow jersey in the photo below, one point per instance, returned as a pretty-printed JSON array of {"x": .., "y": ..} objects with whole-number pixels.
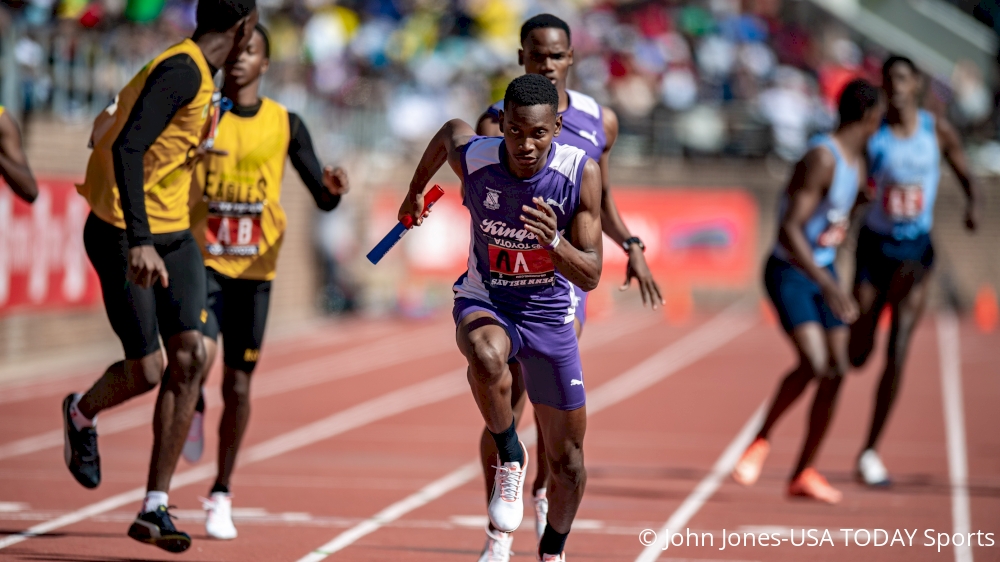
[
  {"x": 239, "y": 223},
  {"x": 13, "y": 163},
  {"x": 152, "y": 276}
]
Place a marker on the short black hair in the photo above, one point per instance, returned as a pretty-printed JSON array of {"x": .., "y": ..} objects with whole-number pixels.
[
  {"x": 891, "y": 61},
  {"x": 267, "y": 39},
  {"x": 221, "y": 15},
  {"x": 545, "y": 21},
  {"x": 531, "y": 89},
  {"x": 857, "y": 98}
]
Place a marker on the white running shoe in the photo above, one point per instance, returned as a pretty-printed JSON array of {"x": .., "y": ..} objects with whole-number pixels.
[
  {"x": 871, "y": 471},
  {"x": 497, "y": 548},
  {"x": 195, "y": 443},
  {"x": 541, "y": 513},
  {"x": 219, "y": 523},
  {"x": 561, "y": 557},
  {"x": 506, "y": 508}
]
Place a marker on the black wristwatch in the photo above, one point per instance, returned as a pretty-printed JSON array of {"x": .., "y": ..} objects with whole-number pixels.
[{"x": 626, "y": 245}]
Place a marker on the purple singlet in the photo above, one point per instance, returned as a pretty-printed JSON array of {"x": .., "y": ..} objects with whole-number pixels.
[
  {"x": 512, "y": 277},
  {"x": 583, "y": 127}
]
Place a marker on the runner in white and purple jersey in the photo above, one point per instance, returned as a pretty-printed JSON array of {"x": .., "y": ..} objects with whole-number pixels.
[
  {"x": 546, "y": 50},
  {"x": 536, "y": 232}
]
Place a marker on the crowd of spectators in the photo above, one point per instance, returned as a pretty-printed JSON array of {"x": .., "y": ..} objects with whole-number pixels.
[{"x": 743, "y": 77}]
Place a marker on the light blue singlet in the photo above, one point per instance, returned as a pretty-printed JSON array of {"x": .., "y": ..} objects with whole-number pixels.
[
  {"x": 906, "y": 173},
  {"x": 827, "y": 226}
]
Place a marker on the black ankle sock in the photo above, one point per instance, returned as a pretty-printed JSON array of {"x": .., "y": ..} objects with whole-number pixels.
[
  {"x": 219, "y": 488},
  {"x": 553, "y": 542},
  {"x": 509, "y": 446}
]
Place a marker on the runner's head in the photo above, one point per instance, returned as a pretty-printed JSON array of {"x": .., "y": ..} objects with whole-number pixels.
[
  {"x": 901, "y": 81},
  {"x": 545, "y": 48},
  {"x": 252, "y": 62},
  {"x": 861, "y": 105},
  {"x": 529, "y": 120},
  {"x": 234, "y": 19}
]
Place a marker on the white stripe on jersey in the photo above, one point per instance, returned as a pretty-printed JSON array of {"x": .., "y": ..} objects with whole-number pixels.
[
  {"x": 482, "y": 153},
  {"x": 472, "y": 286},
  {"x": 584, "y": 103},
  {"x": 567, "y": 160}
]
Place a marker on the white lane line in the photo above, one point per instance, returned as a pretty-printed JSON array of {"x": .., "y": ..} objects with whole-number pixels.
[
  {"x": 421, "y": 394},
  {"x": 345, "y": 364},
  {"x": 19, "y": 391},
  {"x": 954, "y": 419},
  {"x": 707, "y": 487},
  {"x": 710, "y": 336}
]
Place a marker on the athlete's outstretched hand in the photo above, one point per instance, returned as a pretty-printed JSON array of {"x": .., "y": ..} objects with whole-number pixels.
[
  {"x": 638, "y": 269},
  {"x": 335, "y": 180},
  {"x": 541, "y": 221},
  {"x": 841, "y": 303},
  {"x": 145, "y": 266},
  {"x": 971, "y": 217},
  {"x": 411, "y": 207}
]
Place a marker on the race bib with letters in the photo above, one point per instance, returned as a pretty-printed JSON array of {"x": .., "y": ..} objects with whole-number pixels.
[
  {"x": 903, "y": 202},
  {"x": 233, "y": 229},
  {"x": 520, "y": 268}
]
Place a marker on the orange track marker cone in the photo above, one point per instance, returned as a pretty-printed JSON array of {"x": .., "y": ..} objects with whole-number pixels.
[{"x": 985, "y": 310}]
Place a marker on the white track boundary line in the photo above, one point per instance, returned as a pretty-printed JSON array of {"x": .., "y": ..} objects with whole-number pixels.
[
  {"x": 296, "y": 342},
  {"x": 345, "y": 364},
  {"x": 421, "y": 394},
  {"x": 710, "y": 336},
  {"x": 954, "y": 419},
  {"x": 414, "y": 396},
  {"x": 708, "y": 485}
]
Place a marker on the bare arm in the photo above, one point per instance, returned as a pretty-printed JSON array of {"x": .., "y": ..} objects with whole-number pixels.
[
  {"x": 611, "y": 221},
  {"x": 444, "y": 147},
  {"x": 578, "y": 258},
  {"x": 614, "y": 226},
  {"x": 951, "y": 148},
  {"x": 809, "y": 183},
  {"x": 13, "y": 162}
]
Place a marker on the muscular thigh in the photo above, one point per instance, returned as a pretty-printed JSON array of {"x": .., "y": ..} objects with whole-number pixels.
[{"x": 480, "y": 329}]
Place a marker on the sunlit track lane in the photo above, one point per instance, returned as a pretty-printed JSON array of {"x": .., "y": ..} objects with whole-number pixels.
[
  {"x": 342, "y": 357},
  {"x": 272, "y": 417},
  {"x": 401, "y": 542},
  {"x": 913, "y": 448}
]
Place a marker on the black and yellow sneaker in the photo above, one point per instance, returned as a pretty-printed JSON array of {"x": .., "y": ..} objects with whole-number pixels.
[
  {"x": 80, "y": 449},
  {"x": 157, "y": 529}
]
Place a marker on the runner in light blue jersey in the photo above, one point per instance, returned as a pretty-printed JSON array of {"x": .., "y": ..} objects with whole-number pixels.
[
  {"x": 895, "y": 254},
  {"x": 802, "y": 283}
]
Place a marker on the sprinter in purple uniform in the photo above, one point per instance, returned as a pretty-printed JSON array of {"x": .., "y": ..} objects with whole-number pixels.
[
  {"x": 546, "y": 50},
  {"x": 536, "y": 232}
]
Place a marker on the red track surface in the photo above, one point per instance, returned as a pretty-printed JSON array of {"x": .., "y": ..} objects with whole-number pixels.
[{"x": 645, "y": 454}]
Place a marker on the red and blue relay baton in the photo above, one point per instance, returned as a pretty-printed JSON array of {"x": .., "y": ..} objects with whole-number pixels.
[{"x": 401, "y": 228}]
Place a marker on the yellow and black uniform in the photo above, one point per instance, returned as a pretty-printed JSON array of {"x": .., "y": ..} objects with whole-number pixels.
[
  {"x": 138, "y": 185},
  {"x": 239, "y": 223}
]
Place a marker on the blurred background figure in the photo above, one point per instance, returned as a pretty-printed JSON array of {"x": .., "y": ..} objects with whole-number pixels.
[{"x": 709, "y": 93}]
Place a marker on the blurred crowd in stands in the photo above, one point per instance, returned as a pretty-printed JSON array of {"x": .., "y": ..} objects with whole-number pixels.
[{"x": 733, "y": 77}]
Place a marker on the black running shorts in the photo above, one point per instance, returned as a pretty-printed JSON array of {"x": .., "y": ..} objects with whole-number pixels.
[
  {"x": 140, "y": 316},
  {"x": 238, "y": 309}
]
